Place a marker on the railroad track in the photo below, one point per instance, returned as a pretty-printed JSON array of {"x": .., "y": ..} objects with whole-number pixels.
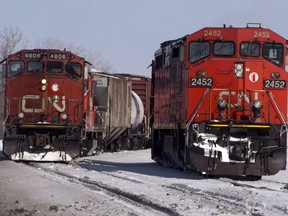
[
  {"x": 175, "y": 193},
  {"x": 268, "y": 185},
  {"x": 145, "y": 206},
  {"x": 165, "y": 191}
]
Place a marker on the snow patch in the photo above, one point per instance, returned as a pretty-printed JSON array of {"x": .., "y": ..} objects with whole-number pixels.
[
  {"x": 48, "y": 156},
  {"x": 211, "y": 148}
]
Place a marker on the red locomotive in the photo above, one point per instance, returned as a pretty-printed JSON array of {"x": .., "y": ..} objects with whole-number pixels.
[
  {"x": 220, "y": 102},
  {"x": 56, "y": 109}
]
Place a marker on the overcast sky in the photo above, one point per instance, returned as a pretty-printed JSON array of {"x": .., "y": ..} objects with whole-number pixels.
[{"x": 127, "y": 32}]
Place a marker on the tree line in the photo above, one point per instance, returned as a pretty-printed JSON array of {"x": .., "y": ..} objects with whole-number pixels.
[{"x": 12, "y": 40}]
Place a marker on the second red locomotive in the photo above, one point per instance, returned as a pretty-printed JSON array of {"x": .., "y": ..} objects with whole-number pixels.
[
  {"x": 220, "y": 102},
  {"x": 57, "y": 108}
]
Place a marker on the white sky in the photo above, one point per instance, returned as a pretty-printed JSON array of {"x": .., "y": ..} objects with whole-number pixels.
[{"x": 127, "y": 32}]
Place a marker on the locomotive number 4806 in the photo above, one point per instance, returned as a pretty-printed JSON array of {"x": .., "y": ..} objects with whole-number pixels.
[{"x": 199, "y": 82}]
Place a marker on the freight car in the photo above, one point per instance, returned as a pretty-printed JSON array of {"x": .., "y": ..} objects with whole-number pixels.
[
  {"x": 141, "y": 85},
  {"x": 56, "y": 109},
  {"x": 119, "y": 112},
  {"x": 220, "y": 102}
]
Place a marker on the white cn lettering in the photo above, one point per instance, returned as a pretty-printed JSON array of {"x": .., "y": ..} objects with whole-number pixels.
[
  {"x": 240, "y": 97},
  {"x": 56, "y": 106},
  {"x": 34, "y": 98},
  {"x": 39, "y": 110}
]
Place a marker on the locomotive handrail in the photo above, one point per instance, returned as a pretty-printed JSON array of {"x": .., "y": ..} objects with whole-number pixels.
[
  {"x": 193, "y": 116},
  {"x": 277, "y": 108},
  {"x": 197, "y": 108},
  {"x": 270, "y": 95}
]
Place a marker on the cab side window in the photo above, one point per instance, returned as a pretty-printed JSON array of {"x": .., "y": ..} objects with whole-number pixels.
[
  {"x": 74, "y": 69},
  {"x": 15, "y": 68}
]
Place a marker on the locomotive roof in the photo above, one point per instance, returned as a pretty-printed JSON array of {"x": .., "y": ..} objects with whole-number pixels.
[
  {"x": 45, "y": 50},
  {"x": 183, "y": 39},
  {"x": 173, "y": 42}
]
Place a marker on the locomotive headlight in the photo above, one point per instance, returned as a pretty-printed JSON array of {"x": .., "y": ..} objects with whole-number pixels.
[
  {"x": 44, "y": 81},
  {"x": 222, "y": 104},
  {"x": 238, "y": 70},
  {"x": 239, "y": 74},
  {"x": 64, "y": 116},
  {"x": 239, "y": 67},
  {"x": 44, "y": 85},
  {"x": 20, "y": 115}
]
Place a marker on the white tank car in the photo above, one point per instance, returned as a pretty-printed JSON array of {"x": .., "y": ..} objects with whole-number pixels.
[{"x": 137, "y": 110}]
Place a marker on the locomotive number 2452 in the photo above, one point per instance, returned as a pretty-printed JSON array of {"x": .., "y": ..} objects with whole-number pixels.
[
  {"x": 198, "y": 82},
  {"x": 212, "y": 33},
  {"x": 275, "y": 84}
]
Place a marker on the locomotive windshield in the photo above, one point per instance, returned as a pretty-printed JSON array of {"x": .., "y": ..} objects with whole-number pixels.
[
  {"x": 250, "y": 49},
  {"x": 198, "y": 50},
  {"x": 35, "y": 66},
  {"x": 274, "y": 52},
  {"x": 74, "y": 69},
  {"x": 54, "y": 67},
  {"x": 222, "y": 48},
  {"x": 15, "y": 68}
]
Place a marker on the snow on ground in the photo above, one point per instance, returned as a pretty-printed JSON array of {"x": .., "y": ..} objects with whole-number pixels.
[
  {"x": 28, "y": 191},
  {"x": 190, "y": 194}
]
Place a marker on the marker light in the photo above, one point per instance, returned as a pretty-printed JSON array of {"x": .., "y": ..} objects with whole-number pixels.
[
  {"x": 20, "y": 115},
  {"x": 256, "y": 108},
  {"x": 201, "y": 73},
  {"x": 64, "y": 116},
  {"x": 222, "y": 103},
  {"x": 257, "y": 105},
  {"x": 275, "y": 75}
]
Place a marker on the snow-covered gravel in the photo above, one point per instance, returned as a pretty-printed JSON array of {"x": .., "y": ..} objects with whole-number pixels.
[{"x": 80, "y": 188}]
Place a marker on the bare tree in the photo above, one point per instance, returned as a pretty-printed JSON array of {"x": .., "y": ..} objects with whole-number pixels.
[
  {"x": 9, "y": 39},
  {"x": 95, "y": 58}
]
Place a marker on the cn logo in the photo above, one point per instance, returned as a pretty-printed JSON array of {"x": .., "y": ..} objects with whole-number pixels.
[
  {"x": 40, "y": 109},
  {"x": 241, "y": 97},
  {"x": 253, "y": 77}
]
